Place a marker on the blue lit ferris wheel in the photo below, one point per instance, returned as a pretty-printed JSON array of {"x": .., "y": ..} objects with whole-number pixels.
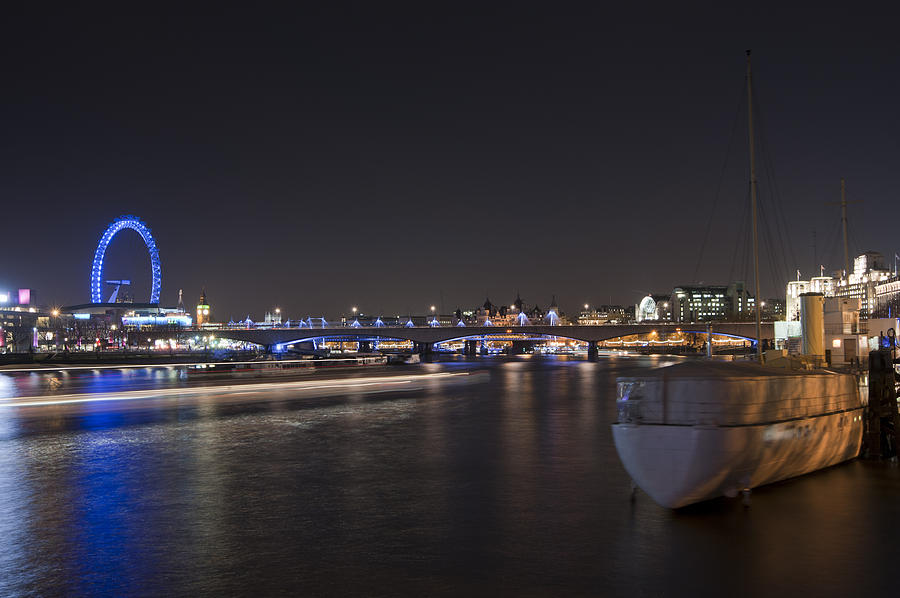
[{"x": 120, "y": 223}]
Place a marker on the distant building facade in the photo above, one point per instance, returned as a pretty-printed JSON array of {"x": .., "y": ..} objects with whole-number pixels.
[
  {"x": 869, "y": 282},
  {"x": 711, "y": 303},
  {"x": 887, "y": 299}
]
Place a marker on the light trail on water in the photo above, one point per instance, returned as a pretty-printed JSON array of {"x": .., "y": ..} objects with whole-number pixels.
[{"x": 304, "y": 386}]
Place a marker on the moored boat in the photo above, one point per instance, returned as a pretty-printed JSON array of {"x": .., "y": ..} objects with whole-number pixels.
[{"x": 699, "y": 430}]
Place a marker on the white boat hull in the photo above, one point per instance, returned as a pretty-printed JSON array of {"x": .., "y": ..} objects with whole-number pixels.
[{"x": 678, "y": 465}]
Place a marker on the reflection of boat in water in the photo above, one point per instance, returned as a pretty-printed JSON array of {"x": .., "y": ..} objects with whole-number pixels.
[
  {"x": 274, "y": 368},
  {"x": 698, "y": 430}
]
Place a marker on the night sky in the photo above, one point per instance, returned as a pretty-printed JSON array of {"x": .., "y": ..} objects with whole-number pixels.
[{"x": 395, "y": 162}]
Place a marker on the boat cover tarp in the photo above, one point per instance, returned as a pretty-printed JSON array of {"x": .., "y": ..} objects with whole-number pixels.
[{"x": 732, "y": 394}]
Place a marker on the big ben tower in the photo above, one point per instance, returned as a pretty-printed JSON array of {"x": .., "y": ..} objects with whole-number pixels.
[{"x": 202, "y": 310}]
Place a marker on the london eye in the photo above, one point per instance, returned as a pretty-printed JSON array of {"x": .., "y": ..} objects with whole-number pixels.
[{"x": 121, "y": 223}]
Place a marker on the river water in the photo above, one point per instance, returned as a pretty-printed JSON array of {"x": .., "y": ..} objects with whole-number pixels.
[{"x": 502, "y": 480}]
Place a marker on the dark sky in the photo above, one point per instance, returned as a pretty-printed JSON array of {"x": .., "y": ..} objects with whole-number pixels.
[{"x": 394, "y": 162}]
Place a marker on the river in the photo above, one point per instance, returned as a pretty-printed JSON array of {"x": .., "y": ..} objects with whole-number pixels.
[{"x": 494, "y": 476}]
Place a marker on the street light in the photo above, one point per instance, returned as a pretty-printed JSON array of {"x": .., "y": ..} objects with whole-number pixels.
[
  {"x": 354, "y": 310},
  {"x": 586, "y": 306},
  {"x": 432, "y": 309}
]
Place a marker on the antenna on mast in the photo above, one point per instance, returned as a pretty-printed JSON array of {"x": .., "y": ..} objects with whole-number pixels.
[
  {"x": 815, "y": 249},
  {"x": 844, "y": 224}
]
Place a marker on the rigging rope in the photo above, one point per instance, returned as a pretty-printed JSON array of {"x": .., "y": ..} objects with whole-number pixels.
[
  {"x": 717, "y": 194},
  {"x": 778, "y": 268}
]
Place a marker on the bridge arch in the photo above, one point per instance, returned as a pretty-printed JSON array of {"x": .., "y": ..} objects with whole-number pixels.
[
  {"x": 500, "y": 335},
  {"x": 137, "y": 225}
]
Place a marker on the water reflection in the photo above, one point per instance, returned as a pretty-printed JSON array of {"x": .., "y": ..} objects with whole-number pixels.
[{"x": 510, "y": 485}]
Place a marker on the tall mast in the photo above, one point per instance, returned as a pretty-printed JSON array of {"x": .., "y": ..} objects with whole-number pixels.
[
  {"x": 753, "y": 209},
  {"x": 844, "y": 224}
]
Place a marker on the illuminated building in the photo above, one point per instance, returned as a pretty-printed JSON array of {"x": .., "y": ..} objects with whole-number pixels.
[
  {"x": 868, "y": 282},
  {"x": 613, "y": 314},
  {"x": 700, "y": 304},
  {"x": 772, "y": 309},
  {"x": 653, "y": 307},
  {"x": 590, "y": 316},
  {"x": 22, "y": 298},
  {"x": 18, "y": 325},
  {"x": 711, "y": 303},
  {"x": 274, "y": 318},
  {"x": 868, "y": 273},
  {"x": 742, "y": 303},
  {"x": 203, "y": 309},
  {"x": 795, "y": 288},
  {"x": 645, "y": 310},
  {"x": 155, "y": 318},
  {"x": 887, "y": 299}
]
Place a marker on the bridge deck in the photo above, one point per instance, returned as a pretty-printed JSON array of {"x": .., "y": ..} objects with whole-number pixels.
[{"x": 437, "y": 334}]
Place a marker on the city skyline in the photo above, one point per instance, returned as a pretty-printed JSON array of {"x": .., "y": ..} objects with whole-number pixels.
[
  {"x": 531, "y": 301},
  {"x": 487, "y": 157}
]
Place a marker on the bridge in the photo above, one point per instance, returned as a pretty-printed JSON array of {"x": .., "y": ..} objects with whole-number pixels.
[{"x": 425, "y": 337}]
